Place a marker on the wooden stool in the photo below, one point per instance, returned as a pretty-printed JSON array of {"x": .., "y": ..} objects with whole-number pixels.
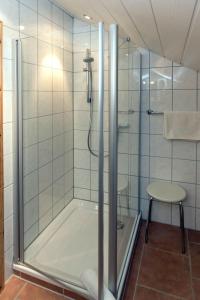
[{"x": 168, "y": 193}]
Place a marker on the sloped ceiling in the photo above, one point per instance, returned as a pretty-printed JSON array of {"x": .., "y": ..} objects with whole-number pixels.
[{"x": 170, "y": 28}]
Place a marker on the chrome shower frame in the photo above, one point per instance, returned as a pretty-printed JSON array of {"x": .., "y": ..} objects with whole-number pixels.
[{"x": 116, "y": 283}]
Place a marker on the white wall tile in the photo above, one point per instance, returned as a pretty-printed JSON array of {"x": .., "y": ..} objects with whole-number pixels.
[
  {"x": 184, "y": 78},
  {"x": 8, "y": 233},
  {"x": 30, "y": 235},
  {"x": 29, "y": 50},
  {"x": 68, "y": 22},
  {"x": 45, "y": 176},
  {"x": 161, "y": 78},
  {"x": 30, "y": 213},
  {"x": 45, "y": 128},
  {"x": 58, "y": 189},
  {"x": 7, "y": 106},
  {"x": 58, "y": 124},
  {"x": 30, "y": 77},
  {"x": 30, "y": 3},
  {"x": 8, "y": 257},
  {"x": 28, "y": 19},
  {"x": 8, "y": 36},
  {"x": 37, "y": 104},
  {"x": 45, "y": 106},
  {"x": 81, "y": 41},
  {"x": 160, "y": 168},
  {"x": 30, "y": 186},
  {"x": 67, "y": 41},
  {"x": 157, "y": 61},
  {"x": 44, "y": 29},
  {"x": 44, "y": 8},
  {"x": 184, "y": 150},
  {"x": 8, "y": 138},
  {"x": 57, "y": 15},
  {"x": 45, "y": 54},
  {"x": 45, "y": 220},
  {"x": 29, "y": 104},
  {"x": 198, "y": 172},
  {"x": 190, "y": 193},
  {"x": 82, "y": 178},
  {"x": 9, "y": 13},
  {"x": 8, "y": 201},
  {"x": 184, "y": 170},
  {"x": 58, "y": 145},
  {"x": 45, "y": 149},
  {"x": 45, "y": 79},
  {"x": 160, "y": 146},
  {"x": 58, "y": 102},
  {"x": 58, "y": 167},
  {"x": 7, "y": 75},
  {"x": 161, "y": 100},
  {"x": 8, "y": 169},
  {"x": 184, "y": 100},
  {"x": 30, "y": 159}
]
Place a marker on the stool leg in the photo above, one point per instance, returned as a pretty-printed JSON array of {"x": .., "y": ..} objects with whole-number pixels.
[
  {"x": 148, "y": 220},
  {"x": 182, "y": 226}
]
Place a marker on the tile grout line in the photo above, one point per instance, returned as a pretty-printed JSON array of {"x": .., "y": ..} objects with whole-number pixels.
[
  {"x": 160, "y": 291},
  {"x": 18, "y": 293},
  {"x": 139, "y": 268},
  {"x": 26, "y": 282},
  {"x": 167, "y": 251}
]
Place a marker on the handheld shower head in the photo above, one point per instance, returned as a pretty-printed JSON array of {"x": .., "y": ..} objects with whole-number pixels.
[{"x": 88, "y": 58}]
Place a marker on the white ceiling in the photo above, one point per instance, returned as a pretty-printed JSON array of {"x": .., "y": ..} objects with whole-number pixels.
[{"x": 170, "y": 28}]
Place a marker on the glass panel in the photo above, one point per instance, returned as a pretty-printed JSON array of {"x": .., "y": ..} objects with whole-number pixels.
[
  {"x": 47, "y": 154},
  {"x": 60, "y": 152},
  {"x": 128, "y": 147}
]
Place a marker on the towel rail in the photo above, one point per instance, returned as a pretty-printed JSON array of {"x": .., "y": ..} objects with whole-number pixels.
[{"x": 152, "y": 112}]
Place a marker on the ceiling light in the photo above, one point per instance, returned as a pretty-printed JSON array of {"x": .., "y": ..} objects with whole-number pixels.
[
  {"x": 87, "y": 17},
  {"x": 21, "y": 27}
]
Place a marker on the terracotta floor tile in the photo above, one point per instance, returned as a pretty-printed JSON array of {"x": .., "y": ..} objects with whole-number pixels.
[
  {"x": 194, "y": 236},
  {"x": 147, "y": 294},
  {"x": 42, "y": 283},
  {"x": 165, "y": 237},
  {"x": 13, "y": 286},
  {"x": 133, "y": 274},
  {"x": 196, "y": 287},
  {"x": 32, "y": 292},
  {"x": 195, "y": 260},
  {"x": 164, "y": 271}
]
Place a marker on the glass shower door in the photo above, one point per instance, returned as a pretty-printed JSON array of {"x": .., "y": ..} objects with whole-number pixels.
[
  {"x": 57, "y": 232},
  {"x": 124, "y": 143}
]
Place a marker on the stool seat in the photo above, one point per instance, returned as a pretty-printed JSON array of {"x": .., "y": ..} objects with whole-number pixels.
[{"x": 166, "y": 192}]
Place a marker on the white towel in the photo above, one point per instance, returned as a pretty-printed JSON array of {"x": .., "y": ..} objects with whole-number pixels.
[{"x": 182, "y": 125}]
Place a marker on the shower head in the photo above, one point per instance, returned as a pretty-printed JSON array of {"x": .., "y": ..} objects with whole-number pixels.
[{"x": 88, "y": 58}]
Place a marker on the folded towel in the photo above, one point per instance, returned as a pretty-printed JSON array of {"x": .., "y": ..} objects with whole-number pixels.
[{"x": 182, "y": 125}]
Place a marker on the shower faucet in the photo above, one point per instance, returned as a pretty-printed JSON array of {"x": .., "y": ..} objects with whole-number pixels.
[{"x": 88, "y": 60}]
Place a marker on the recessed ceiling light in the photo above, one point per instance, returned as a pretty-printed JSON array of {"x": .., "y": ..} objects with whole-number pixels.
[{"x": 87, "y": 17}]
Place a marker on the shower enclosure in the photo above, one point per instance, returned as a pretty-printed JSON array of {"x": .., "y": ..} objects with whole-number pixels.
[{"x": 78, "y": 143}]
